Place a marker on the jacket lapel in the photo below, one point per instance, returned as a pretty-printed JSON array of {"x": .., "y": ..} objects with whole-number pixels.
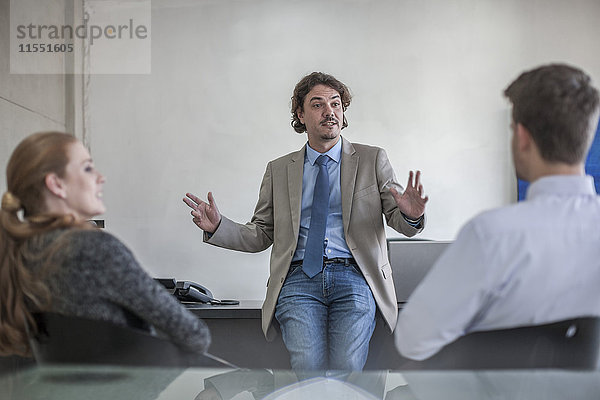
[
  {"x": 348, "y": 172},
  {"x": 294, "y": 171}
]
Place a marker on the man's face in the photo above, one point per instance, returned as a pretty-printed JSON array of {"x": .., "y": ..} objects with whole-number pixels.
[{"x": 322, "y": 114}]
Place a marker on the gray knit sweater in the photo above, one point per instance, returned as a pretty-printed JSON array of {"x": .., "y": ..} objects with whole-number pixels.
[{"x": 94, "y": 275}]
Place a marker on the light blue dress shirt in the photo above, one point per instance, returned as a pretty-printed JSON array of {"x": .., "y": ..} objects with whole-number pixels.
[
  {"x": 335, "y": 240},
  {"x": 530, "y": 263}
]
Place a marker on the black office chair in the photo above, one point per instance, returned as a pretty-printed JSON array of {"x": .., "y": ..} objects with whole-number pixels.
[
  {"x": 570, "y": 344},
  {"x": 62, "y": 339}
]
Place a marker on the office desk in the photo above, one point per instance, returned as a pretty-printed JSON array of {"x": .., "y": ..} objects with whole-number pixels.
[{"x": 237, "y": 337}]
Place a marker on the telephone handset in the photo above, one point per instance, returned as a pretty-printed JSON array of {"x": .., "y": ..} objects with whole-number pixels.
[
  {"x": 190, "y": 291},
  {"x": 193, "y": 292}
]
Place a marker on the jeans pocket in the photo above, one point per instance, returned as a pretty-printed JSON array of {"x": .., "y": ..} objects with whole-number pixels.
[
  {"x": 293, "y": 269},
  {"x": 354, "y": 267}
]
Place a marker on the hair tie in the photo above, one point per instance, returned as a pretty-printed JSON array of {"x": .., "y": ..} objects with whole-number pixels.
[{"x": 10, "y": 203}]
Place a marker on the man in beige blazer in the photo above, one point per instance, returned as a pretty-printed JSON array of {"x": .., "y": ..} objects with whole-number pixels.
[{"x": 326, "y": 310}]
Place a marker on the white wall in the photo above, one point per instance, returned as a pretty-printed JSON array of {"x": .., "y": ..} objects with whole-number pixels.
[
  {"x": 427, "y": 79},
  {"x": 28, "y": 103}
]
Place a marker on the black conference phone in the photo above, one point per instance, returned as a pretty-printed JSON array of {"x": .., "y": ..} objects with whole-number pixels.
[{"x": 187, "y": 291}]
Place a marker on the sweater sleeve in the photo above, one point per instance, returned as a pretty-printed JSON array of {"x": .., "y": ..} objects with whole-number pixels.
[{"x": 115, "y": 275}]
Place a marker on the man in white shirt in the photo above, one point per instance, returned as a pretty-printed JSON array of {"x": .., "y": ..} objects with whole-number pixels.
[{"x": 530, "y": 263}]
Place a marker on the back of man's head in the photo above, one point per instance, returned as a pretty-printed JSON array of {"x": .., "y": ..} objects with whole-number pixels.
[{"x": 559, "y": 107}]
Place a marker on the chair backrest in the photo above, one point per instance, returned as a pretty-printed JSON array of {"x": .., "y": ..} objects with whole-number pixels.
[
  {"x": 570, "y": 344},
  {"x": 62, "y": 339},
  {"x": 411, "y": 260}
]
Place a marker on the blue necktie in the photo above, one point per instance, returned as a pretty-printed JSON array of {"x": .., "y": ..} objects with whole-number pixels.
[{"x": 313, "y": 254}]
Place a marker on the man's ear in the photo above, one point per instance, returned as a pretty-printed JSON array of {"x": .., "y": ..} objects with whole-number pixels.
[
  {"x": 524, "y": 139},
  {"x": 300, "y": 114},
  {"x": 55, "y": 185}
]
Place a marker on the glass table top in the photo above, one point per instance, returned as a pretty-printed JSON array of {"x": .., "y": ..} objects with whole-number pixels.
[{"x": 115, "y": 383}]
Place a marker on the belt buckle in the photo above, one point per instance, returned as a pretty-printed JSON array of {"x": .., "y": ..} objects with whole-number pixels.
[{"x": 337, "y": 260}]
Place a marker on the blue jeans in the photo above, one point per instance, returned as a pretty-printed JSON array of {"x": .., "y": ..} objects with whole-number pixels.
[{"x": 327, "y": 321}]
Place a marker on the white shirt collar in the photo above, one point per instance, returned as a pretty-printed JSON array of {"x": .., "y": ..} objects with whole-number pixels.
[{"x": 561, "y": 185}]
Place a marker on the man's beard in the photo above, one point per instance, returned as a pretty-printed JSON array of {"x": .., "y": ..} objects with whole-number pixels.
[{"x": 330, "y": 135}]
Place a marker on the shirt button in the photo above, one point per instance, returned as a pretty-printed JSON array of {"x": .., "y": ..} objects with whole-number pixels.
[{"x": 329, "y": 251}]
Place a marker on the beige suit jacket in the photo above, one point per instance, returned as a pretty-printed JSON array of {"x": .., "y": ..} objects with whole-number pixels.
[{"x": 365, "y": 171}]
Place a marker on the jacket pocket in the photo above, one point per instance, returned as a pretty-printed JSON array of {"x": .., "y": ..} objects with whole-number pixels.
[
  {"x": 366, "y": 191},
  {"x": 386, "y": 271}
]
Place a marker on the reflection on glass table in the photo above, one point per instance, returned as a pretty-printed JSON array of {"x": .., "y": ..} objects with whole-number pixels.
[{"x": 132, "y": 383}]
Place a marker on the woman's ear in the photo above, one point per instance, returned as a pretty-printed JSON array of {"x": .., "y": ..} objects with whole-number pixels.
[{"x": 55, "y": 185}]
